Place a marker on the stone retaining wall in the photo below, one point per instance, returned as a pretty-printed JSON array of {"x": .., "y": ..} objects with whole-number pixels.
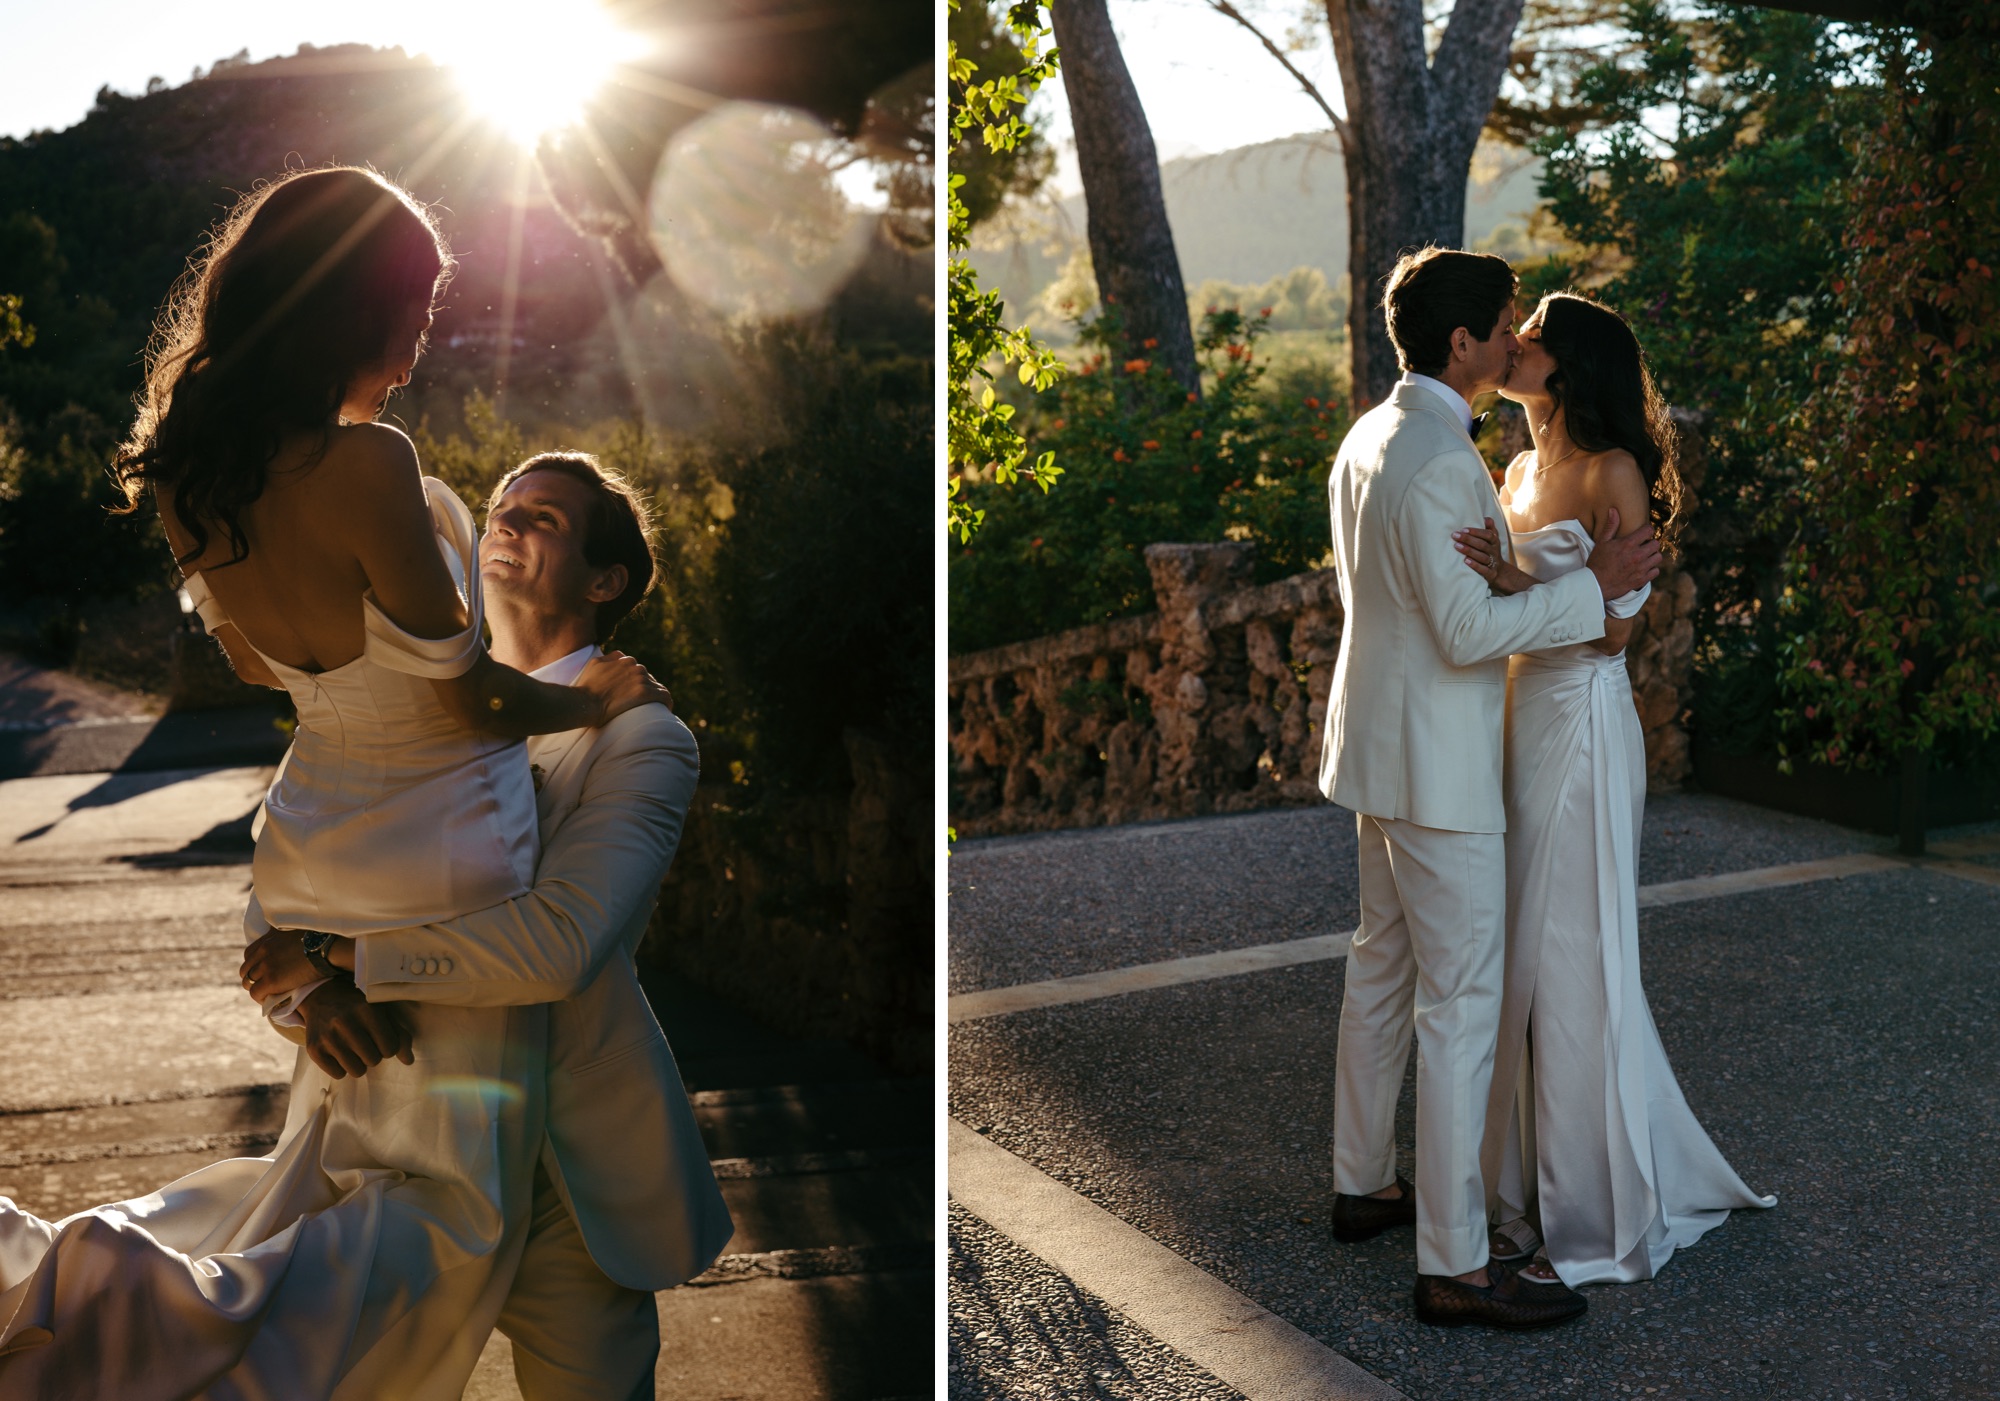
[{"x": 1211, "y": 705}]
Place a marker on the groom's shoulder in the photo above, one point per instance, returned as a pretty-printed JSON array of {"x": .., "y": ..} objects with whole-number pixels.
[
  {"x": 646, "y": 727},
  {"x": 1402, "y": 439}
]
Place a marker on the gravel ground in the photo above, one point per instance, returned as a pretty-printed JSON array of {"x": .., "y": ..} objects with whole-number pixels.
[
  {"x": 1059, "y": 903},
  {"x": 1019, "y": 1329},
  {"x": 1049, "y": 905},
  {"x": 1835, "y": 1039}
]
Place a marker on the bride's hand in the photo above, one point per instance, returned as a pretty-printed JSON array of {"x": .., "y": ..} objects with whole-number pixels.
[
  {"x": 619, "y": 684},
  {"x": 1481, "y": 547}
]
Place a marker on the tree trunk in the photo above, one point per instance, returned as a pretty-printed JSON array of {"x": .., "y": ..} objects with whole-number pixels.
[
  {"x": 1407, "y": 142},
  {"x": 1131, "y": 244}
]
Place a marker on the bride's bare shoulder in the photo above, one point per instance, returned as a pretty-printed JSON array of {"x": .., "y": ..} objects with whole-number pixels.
[
  {"x": 1615, "y": 481},
  {"x": 1614, "y": 473},
  {"x": 367, "y": 483},
  {"x": 380, "y": 451}
]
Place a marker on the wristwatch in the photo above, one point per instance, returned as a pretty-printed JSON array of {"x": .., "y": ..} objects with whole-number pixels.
[{"x": 315, "y": 945}]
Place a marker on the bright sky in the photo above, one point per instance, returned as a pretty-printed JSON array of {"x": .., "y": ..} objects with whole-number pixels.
[
  {"x": 1206, "y": 83},
  {"x": 59, "y": 52}
]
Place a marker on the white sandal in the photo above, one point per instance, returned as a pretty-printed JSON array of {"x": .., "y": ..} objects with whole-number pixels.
[
  {"x": 1545, "y": 1272},
  {"x": 1512, "y": 1241}
]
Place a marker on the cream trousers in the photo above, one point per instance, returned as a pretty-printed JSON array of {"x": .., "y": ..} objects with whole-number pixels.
[
  {"x": 1430, "y": 951},
  {"x": 577, "y": 1335}
]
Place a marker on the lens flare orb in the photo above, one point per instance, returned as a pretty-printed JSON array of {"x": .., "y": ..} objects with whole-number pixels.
[{"x": 762, "y": 210}]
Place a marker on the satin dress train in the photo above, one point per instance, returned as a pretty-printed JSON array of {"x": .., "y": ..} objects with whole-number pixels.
[
  {"x": 368, "y": 1255},
  {"x": 1587, "y": 1132}
]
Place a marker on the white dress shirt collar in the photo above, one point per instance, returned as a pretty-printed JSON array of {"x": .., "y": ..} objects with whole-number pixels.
[
  {"x": 1459, "y": 407},
  {"x": 563, "y": 671}
]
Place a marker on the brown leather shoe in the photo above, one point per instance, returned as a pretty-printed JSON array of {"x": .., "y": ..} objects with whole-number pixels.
[
  {"x": 1359, "y": 1218},
  {"x": 1507, "y": 1301}
]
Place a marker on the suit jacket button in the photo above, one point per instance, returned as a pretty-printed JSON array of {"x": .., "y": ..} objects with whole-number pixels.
[{"x": 444, "y": 965}]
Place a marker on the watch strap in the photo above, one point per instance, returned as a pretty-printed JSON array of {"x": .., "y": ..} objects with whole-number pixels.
[{"x": 315, "y": 944}]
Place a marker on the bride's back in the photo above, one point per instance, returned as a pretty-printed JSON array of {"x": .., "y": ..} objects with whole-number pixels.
[{"x": 296, "y": 596}]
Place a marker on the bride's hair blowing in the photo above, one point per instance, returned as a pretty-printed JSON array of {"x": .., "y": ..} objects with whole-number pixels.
[
  {"x": 1606, "y": 395},
  {"x": 301, "y": 289}
]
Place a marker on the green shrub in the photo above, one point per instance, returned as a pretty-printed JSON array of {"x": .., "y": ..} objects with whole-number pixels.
[
  {"x": 58, "y": 540},
  {"x": 1147, "y": 462},
  {"x": 1892, "y": 611}
]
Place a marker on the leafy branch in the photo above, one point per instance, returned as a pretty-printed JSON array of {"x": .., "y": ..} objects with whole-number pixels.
[
  {"x": 12, "y": 328},
  {"x": 981, "y": 434}
]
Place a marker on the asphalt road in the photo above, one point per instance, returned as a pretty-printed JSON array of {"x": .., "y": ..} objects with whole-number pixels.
[
  {"x": 1836, "y": 1039},
  {"x": 129, "y": 1057}
]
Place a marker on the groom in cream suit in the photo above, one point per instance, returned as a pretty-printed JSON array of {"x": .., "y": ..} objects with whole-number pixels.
[
  {"x": 625, "y": 1202},
  {"x": 1413, "y": 747}
]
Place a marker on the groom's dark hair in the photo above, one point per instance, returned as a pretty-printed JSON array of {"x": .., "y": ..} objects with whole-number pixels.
[
  {"x": 1434, "y": 291},
  {"x": 619, "y": 531}
]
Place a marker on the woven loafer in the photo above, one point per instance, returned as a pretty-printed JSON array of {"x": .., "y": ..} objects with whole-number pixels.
[
  {"x": 1359, "y": 1218},
  {"x": 1507, "y": 1301}
]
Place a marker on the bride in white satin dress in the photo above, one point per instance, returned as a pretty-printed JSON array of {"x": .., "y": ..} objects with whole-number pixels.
[
  {"x": 368, "y": 1255},
  {"x": 1595, "y": 1165}
]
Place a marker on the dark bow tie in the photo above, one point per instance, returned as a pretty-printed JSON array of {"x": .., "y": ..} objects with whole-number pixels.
[{"x": 1478, "y": 422}]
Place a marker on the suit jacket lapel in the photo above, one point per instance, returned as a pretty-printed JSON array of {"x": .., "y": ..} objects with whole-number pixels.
[{"x": 549, "y": 756}]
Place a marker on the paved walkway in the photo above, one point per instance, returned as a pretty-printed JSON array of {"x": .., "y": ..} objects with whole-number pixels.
[
  {"x": 34, "y": 697},
  {"x": 129, "y": 1057},
  {"x": 1143, "y": 1024}
]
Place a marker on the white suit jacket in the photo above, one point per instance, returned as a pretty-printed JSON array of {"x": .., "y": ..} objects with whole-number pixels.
[
  {"x": 623, "y": 1147},
  {"x": 1415, "y": 719}
]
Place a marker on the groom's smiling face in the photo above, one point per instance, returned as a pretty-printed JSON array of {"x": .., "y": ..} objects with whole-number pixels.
[{"x": 532, "y": 552}]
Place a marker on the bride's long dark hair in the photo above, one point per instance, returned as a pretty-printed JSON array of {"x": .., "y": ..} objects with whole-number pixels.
[
  {"x": 1606, "y": 395},
  {"x": 301, "y": 289}
]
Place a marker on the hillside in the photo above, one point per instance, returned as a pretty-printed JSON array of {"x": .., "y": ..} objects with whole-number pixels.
[
  {"x": 97, "y": 221},
  {"x": 1251, "y": 214}
]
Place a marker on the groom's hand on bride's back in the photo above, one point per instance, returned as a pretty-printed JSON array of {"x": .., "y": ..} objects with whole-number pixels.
[
  {"x": 1622, "y": 564},
  {"x": 346, "y": 1033}
]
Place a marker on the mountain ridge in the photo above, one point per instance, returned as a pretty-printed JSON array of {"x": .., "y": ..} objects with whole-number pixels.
[{"x": 1245, "y": 215}]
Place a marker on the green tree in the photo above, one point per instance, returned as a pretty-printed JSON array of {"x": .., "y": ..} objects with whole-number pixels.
[
  {"x": 1710, "y": 207},
  {"x": 982, "y": 440},
  {"x": 1892, "y": 623}
]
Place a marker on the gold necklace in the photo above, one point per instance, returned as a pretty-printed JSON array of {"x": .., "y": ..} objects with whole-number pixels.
[{"x": 1541, "y": 466}]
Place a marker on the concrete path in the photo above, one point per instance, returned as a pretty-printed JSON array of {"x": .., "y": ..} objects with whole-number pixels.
[
  {"x": 1142, "y": 1045},
  {"x": 131, "y": 1058}
]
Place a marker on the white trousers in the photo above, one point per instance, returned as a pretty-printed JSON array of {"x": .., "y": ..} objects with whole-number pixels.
[
  {"x": 577, "y": 1334},
  {"x": 1430, "y": 950}
]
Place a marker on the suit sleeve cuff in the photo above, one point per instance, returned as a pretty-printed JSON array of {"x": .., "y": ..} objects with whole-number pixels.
[{"x": 384, "y": 958}]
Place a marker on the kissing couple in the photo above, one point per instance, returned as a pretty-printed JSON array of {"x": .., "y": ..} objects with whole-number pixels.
[
  {"x": 453, "y": 867},
  {"x": 1482, "y": 729}
]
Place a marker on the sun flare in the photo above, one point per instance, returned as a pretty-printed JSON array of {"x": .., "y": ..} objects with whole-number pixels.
[{"x": 530, "y": 69}]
